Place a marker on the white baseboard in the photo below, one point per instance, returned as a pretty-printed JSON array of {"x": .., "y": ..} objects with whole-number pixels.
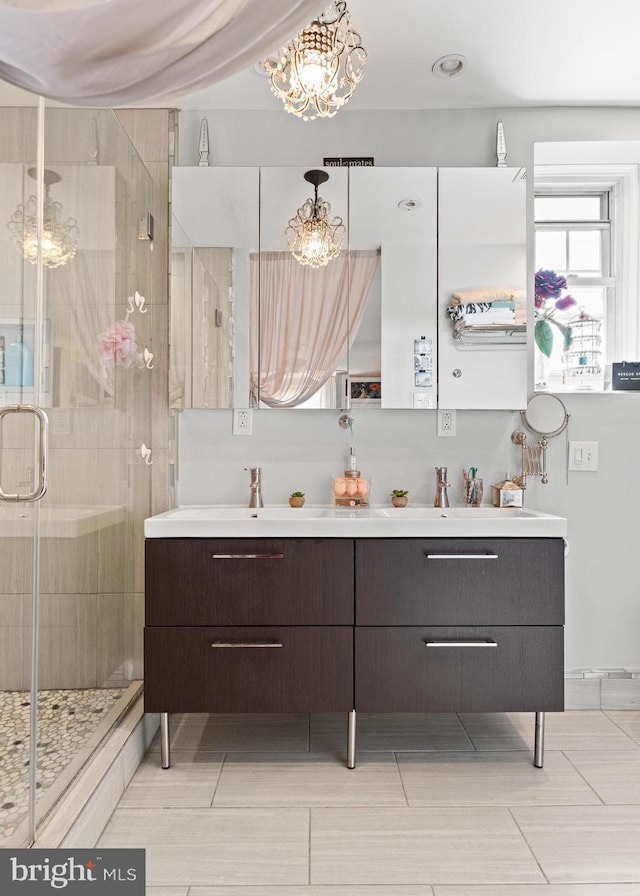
[{"x": 602, "y": 688}]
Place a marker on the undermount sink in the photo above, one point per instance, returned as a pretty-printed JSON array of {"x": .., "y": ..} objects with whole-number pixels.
[{"x": 225, "y": 521}]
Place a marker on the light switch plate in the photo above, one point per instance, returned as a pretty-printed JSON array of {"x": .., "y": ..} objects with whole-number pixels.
[{"x": 583, "y": 456}]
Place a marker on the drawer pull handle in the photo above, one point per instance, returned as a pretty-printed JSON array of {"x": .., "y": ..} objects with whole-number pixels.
[
  {"x": 247, "y": 644},
  {"x": 273, "y": 555},
  {"x": 462, "y": 556},
  {"x": 482, "y": 642}
]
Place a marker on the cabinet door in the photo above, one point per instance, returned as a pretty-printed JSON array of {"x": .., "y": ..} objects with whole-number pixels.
[
  {"x": 481, "y": 246},
  {"x": 251, "y": 669},
  {"x": 452, "y": 581},
  {"x": 459, "y": 669},
  {"x": 214, "y": 236},
  {"x": 249, "y": 581},
  {"x": 394, "y": 211}
]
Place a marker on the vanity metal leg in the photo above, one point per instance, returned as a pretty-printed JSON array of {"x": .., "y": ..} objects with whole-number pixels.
[
  {"x": 351, "y": 740},
  {"x": 538, "y": 753},
  {"x": 165, "y": 753}
]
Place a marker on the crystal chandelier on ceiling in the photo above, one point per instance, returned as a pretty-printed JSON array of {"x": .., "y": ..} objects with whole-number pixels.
[
  {"x": 316, "y": 73},
  {"x": 312, "y": 238},
  {"x": 59, "y": 238}
]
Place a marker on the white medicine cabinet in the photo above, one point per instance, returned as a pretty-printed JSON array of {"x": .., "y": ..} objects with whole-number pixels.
[{"x": 414, "y": 239}]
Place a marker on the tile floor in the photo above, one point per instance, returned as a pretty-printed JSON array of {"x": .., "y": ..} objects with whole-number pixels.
[{"x": 438, "y": 805}]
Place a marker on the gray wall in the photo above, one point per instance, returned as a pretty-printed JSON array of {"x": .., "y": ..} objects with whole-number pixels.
[{"x": 399, "y": 449}]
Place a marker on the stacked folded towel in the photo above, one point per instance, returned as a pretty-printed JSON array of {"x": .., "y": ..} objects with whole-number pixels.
[
  {"x": 491, "y": 305},
  {"x": 488, "y": 294}
]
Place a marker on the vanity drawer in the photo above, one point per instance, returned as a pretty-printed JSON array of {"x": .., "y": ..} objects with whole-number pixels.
[
  {"x": 279, "y": 581},
  {"x": 249, "y": 669},
  {"x": 460, "y": 669},
  {"x": 481, "y": 581}
]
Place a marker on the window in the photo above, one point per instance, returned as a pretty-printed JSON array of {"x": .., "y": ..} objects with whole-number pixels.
[
  {"x": 586, "y": 229},
  {"x": 573, "y": 238}
]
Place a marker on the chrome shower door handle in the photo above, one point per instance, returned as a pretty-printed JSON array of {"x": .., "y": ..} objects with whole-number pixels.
[{"x": 43, "y": 452}]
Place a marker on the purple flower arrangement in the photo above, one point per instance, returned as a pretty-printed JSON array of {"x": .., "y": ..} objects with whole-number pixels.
[{"x": 549, "y": 287}]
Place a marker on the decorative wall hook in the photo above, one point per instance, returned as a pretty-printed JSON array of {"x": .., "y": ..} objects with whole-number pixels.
[
  {"x": 136, "y": 301},
  {"x": 147, "y": 359},
  {"x": 145, "y": 453}
]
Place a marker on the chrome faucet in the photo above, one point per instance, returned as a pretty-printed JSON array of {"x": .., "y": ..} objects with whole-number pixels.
[
  {"x": 255, "y": 487},
  {"x": 442, "y": 498}
]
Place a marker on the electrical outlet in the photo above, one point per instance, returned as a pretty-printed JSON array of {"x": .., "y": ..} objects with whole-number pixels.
[
  {"x": 242, "y": 421},
  {"x": 583, "y": 456},
  {"x": 446, "y": 423}
]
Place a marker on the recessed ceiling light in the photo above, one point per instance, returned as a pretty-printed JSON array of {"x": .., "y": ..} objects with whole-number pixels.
[
  {"x": 408, "y": 205},
  {"x": 449, "y": 66}
]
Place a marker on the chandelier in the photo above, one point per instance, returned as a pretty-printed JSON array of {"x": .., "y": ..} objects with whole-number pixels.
[
  {"x": 311, "y": 236},
  {"x": 316, "y": 73},
  {"x": 59, "y": 239}
]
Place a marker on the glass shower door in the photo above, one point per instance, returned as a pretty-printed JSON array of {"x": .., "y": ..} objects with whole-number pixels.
[
  {"x": 71, "y": 568},
  {"x": 23, "y": 461}
]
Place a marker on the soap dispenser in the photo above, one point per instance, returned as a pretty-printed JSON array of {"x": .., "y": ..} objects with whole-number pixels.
[{"x": 351, "y": 489}]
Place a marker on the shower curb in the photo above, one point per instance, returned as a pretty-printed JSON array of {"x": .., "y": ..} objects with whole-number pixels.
[{"x": 80, "y": 817}]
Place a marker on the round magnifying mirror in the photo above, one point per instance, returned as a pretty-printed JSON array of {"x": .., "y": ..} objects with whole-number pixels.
[{"x": 546, "y": 415}]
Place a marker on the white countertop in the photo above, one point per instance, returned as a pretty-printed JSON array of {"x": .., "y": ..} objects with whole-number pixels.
[{"x": 382, "y": 521}]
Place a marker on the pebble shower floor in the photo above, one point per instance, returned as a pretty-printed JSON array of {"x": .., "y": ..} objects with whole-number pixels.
[{"x": 66, "y": 721}]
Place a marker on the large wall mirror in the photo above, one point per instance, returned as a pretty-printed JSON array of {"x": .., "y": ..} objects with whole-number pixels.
[{"x": 252, "y": 325}]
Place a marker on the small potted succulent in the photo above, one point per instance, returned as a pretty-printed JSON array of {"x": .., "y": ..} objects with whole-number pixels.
[
  {"x": 399, "y": 497},
  {"x": 296, "y": 499}
]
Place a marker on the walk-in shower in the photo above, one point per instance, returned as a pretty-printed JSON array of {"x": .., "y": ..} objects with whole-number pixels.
[{"x": 75, "y": 341}]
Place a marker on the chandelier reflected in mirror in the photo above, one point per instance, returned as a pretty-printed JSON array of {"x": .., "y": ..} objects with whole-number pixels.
[
  {"x": 59, "y": 238},
  {"x": 315, "y": 74},
  {"x": 313, "y": 239}
]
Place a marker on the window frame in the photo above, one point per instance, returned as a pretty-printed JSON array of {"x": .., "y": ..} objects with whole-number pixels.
[{"x": 620, "y": 182}]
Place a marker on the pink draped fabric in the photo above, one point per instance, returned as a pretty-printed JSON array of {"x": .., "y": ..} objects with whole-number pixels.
[
  {"x": 118, "y": 52},
  {"x": 303, "y": 321}
]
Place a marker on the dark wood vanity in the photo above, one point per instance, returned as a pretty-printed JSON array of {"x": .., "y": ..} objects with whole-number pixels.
[{"x": 345, "y": 624}]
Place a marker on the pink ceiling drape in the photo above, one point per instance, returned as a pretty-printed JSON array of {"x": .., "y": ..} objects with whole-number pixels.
[{"x": 118, "y": 52}]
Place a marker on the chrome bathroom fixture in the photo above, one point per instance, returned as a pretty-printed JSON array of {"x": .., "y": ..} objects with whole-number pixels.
[
  {"x": 312, "y": 238},
  {"x": 255, "y": 487},
  {"x": 315, "y": 73},
  {"x": 546, "y": 417},
  {"x": 59, "y": 239},
  {"x": 442, "y": 498}
]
